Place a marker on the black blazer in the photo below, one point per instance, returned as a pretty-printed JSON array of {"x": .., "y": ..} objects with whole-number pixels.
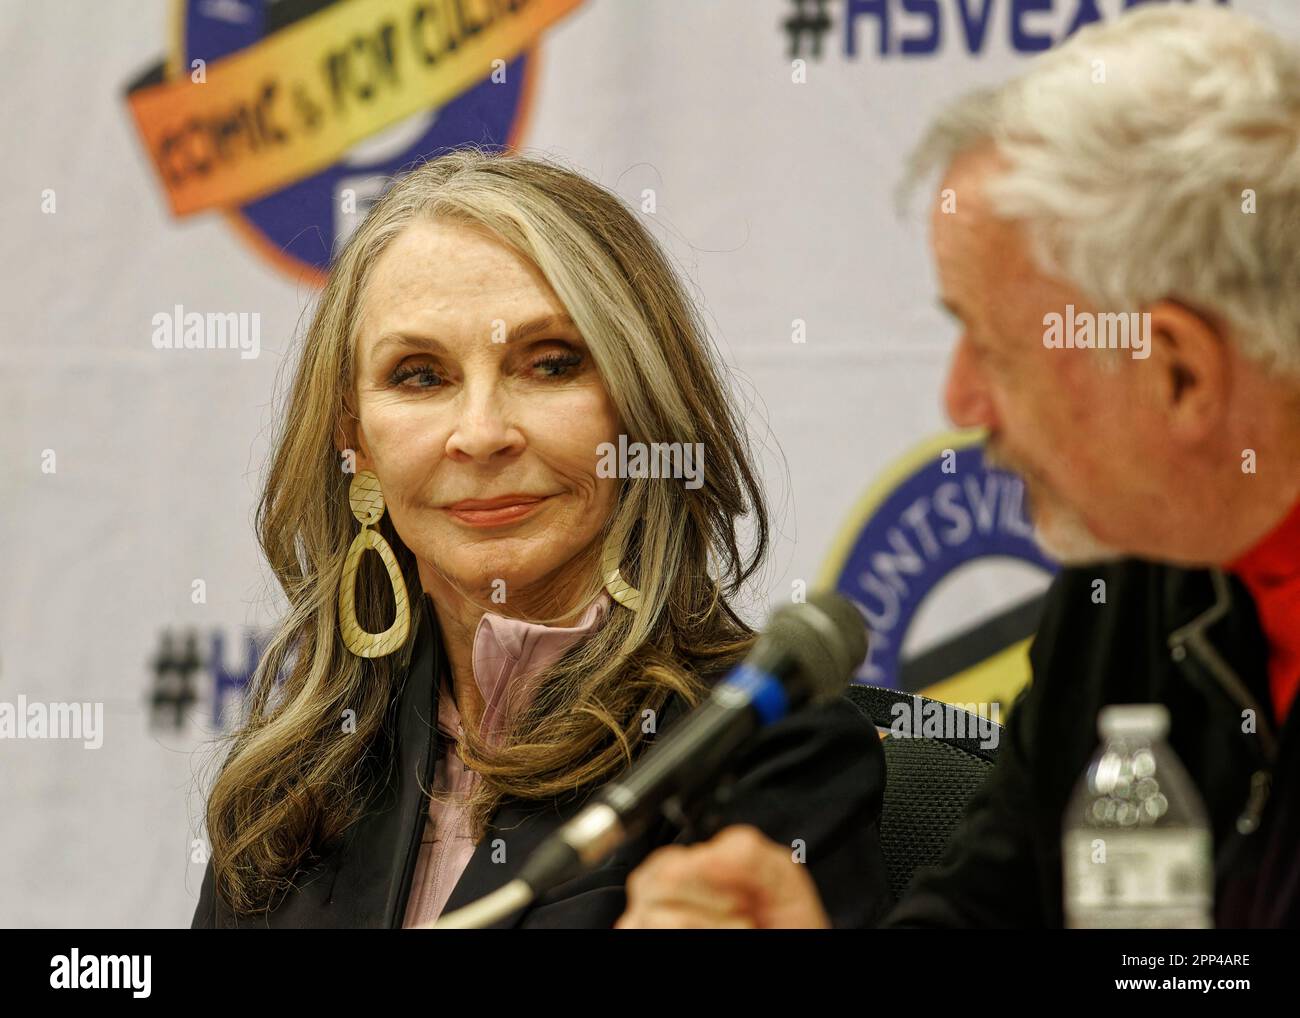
[
  {"x": 817, "y": 776},
  {"x": 1186, "y": 638}
]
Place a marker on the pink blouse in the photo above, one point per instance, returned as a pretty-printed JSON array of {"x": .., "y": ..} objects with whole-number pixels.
[{"x": 507, "y": 653}]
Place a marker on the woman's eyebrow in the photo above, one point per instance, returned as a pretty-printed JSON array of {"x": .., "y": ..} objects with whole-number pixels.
[
  {"x": 546, "y": 323},
  {"x": 413, "y": 339}
]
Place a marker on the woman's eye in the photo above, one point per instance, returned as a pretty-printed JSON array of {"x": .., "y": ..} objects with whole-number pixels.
[
  {"x": 429, "y": 378},
  {"x": 558, "y": 365}
]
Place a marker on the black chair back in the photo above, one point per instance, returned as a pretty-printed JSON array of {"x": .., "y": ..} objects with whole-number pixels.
[{"x": 928, "y": 780}]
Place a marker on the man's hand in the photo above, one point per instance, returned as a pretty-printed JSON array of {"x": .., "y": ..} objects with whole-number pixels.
[{"x": 737, "y": 879}]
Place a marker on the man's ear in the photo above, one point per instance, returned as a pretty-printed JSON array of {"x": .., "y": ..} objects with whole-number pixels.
[{"x": 1190, "y": 365}]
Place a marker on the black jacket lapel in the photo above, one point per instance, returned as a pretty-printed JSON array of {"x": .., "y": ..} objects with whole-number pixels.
[
  {"x": 516, "y": 830},
  {"x": 377, "y": 863},
  {"x": 519, "y": 827}
]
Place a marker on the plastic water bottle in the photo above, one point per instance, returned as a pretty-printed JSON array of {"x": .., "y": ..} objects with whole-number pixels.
[{"x": 1137, "y": 849}]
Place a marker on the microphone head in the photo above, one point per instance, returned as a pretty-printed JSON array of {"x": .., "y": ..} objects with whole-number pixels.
[{"x": 826, "y": 637}]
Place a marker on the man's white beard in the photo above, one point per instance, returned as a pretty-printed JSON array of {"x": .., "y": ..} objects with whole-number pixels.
[
  {"x": 1063, "y": 535},
  {"x": 1066, "y": 538}
]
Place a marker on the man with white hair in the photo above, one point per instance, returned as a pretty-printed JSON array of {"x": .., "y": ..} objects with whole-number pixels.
[{"x": 1150, "y": 169}]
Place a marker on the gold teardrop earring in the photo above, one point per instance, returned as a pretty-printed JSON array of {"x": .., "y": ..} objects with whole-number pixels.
[
  {"x": 367, "y": 501},
  {"x": 619, "y": 589}
]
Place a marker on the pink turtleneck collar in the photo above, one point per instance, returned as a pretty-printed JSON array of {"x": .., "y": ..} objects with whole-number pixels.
[
  {"x": 508, "y": 653},
  {"x": 508, "y": 656}
]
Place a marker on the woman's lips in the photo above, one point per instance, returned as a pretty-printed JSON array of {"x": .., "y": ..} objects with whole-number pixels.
[{"x": 495, "y": 512}]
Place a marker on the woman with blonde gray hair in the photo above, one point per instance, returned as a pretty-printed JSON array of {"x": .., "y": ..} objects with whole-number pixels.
[{"x": 493, "y": 328}]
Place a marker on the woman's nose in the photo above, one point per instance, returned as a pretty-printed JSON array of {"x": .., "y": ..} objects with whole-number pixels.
[
  {"x": 966, "y": 396},
  {"x": 484, "y": 427}
]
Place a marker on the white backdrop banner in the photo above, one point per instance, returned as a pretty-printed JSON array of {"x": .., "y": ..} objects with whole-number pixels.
[{"x": 760, "y": 140}]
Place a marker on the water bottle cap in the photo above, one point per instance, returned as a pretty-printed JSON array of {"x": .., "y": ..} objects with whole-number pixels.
[{"x": 1149, "y": 719}]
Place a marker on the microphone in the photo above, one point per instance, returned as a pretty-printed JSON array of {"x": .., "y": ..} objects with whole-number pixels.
[{"x": 807, "y": 654}]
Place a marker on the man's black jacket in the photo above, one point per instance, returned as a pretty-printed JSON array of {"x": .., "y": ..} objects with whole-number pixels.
[
  {"x": 814, "y": 781},
  {"x": 1188, "y": 639}
]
